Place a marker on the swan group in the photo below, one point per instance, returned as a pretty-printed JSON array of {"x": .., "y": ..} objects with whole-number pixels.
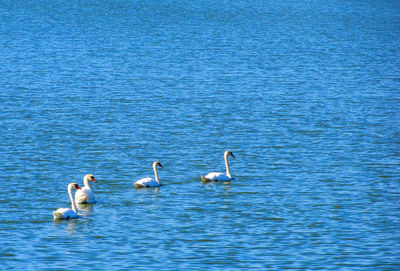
[{"x": 85, "y": 194}]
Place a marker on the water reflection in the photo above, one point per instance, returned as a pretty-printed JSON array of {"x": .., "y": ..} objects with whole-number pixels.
[
  {"x": 71, "y": 226},
  {"x": 214, "y": 185},
  {"x": 218, "y": 187},
  {"x": 147, "y": 189},
  {"x": 86, "y": 208},
  {"x": 227, "y": 188}
]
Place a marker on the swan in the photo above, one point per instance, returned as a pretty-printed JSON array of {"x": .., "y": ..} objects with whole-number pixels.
[
  {"x": 218, "y": 176},
  {"x": 85, "y": 194},
  {"x": 150, "y": 182},
  {"x": 67, "y": 213}
]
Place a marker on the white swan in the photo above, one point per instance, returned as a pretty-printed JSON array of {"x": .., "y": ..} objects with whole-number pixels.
[
  {"x": 218, "y": 176},
  {"x": 67, "y": 213},
  {"x": 85, "y": 194},
  {"x": 150, "y": 182}
]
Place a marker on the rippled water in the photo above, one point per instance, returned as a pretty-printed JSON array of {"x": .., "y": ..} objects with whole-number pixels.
[{"x": 305, "y": 94}]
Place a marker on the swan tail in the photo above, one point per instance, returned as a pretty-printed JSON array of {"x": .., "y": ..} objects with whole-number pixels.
[
  {"x": 57, "y": 216},
  {"x": 204, "y": 179}
]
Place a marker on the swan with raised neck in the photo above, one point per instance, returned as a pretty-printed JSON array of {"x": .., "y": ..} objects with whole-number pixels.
[
  {"x": 219, "y": 176},
  {"x": 86, "y": 194},
  {"x": 67, "y": 213},
  {"x": 150, "y": 182}
]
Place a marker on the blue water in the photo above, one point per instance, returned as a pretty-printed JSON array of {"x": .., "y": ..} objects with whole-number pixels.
[{"x": 304, "y": 93}]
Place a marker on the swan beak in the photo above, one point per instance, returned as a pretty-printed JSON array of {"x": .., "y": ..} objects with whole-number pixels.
[
  {"x": 233, "y": 155},
  {"x": 94, "y": 180},
  {"x": 161, "y": 165},
  {"x": 77, "y": 186}
]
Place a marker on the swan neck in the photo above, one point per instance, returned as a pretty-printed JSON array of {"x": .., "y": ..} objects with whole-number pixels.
[
  {"x": 86, "y": 181},
  {"x": 228, "y": 171},
  {"x": 71, "y": 198},
  {"x": 156, "y": 173}
]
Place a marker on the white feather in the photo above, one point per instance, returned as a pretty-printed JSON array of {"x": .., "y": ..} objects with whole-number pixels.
[{"x": 147, "y": 182}]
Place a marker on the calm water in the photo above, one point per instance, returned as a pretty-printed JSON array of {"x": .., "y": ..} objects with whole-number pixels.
[{"x": 305, "y": 94}]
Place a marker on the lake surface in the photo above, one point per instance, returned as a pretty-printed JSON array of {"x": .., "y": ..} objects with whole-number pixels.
[{"x": 306, "y": 94}]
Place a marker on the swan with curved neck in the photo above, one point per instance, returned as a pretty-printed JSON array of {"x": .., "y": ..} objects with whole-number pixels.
[
  {"x": 219, "y": 176},
  {"x": 150, "y": 182},
  {"x": 67, "y": 213},
  {"x": 85, "y": 194}
]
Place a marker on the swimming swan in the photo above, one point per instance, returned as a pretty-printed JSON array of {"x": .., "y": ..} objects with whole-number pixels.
[
  {"x": 85, "y": 194},
  {"x": 218, "y": 176},
  {"x": 150, "y": 182},
  {"x": 67, "y": 213}
]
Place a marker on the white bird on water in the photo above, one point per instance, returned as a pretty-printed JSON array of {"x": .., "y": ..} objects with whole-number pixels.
[
  {"x": 219, "y": 176},
  {"x": 150, "y": 182},
  {"x": 67, "y": 213},
  {"x": 85, "y": 194}
]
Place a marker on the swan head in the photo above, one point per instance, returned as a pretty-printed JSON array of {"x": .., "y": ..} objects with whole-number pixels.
[
  {"x": 89, "y": 177},
  {"x": 229, "y": 153},
  {"x": 157, "y": 164},
  {"x": 73, "y": 186}
]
